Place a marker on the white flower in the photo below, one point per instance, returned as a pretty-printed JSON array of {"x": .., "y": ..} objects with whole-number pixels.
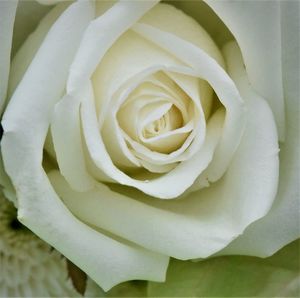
[
  {"x": 28, "y": 266},
  {"x": 129, "y": 137}
]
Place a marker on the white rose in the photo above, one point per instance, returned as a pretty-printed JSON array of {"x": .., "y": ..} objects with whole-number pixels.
[{"x": 129, "y": 137}]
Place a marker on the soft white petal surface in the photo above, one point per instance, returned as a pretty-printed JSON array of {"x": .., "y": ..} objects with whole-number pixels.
[
  {"x": 7, "y": 18},
  {"x": 67, "y": 141},
  {"x": 281, "y": 225},
  {"x": 26, "y": 53},
  {"x": 256, "y": 27},
  {"x": 168, "y": 18},
  {"x": 22, "y": 148}
]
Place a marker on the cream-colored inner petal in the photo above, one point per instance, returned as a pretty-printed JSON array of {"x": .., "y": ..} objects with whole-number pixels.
[{"x": 160, "y": 118}]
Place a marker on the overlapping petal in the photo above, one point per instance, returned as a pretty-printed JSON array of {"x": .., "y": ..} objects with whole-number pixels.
[
  {"x": 96, "y": 41},
  {"x": 27, "y": 51},
  {"x": 259, "y": 38},
  {"x": 67, "y": 141}
]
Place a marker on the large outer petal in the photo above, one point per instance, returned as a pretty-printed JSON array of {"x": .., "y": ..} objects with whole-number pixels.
[
  {"x": 24, "y": 56},
  {"x": 7, "y": 17},
  {"x": 256, "y": 27},
  {"x": 25, "y": 123},
  {"x": 281, "y": 225}
]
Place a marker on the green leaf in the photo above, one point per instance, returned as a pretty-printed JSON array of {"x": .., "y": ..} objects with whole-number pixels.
[{"x": 234, "y": 276}]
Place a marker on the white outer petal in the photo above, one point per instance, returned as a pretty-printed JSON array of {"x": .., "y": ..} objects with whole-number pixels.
[
  {"x": 26, "y": 53},
  {"x": 67, "y": 141},
  {"x": 106, "y": 260},
  {"x": 168, "y": 18},
  {"x": 7, "y": 18},
  {"x": 281, "y": 225},
  {"x": 256, "y": 27}
]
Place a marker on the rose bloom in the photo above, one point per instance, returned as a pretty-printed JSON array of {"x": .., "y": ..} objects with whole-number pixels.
[{"x": 136, "y": 131}]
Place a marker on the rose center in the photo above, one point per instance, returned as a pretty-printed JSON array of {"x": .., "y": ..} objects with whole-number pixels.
[
  {"x": 157, "y": 115},
  {"x": 171, "y": 120}
]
